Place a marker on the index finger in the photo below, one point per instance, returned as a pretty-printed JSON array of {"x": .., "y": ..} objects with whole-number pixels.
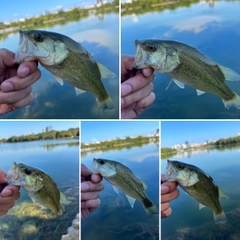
[
  {"x": 2, "y": 176},
  {"x": 85, "y": 172}
]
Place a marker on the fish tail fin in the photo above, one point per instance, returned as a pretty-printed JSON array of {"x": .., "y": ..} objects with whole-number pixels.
[
  {"x": 106, "y": 104},
  {"x": 235, "y": 101},
  {"x": 150, "y": 208},
  {"x": 220, "y": 217}
]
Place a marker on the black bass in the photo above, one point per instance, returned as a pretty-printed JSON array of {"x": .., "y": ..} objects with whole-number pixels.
[
  {"x": 67, "y": 60},
  {"x": 186, "y": 65},
  {"x": 197, "y": 184},
  {"x": 122, "y": 177},
  {"x": 40, "y": 186}
]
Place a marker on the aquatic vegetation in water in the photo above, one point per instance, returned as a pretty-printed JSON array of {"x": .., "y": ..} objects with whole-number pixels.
[
  {"x": 139, "y": 231},
  {"x": 227, "y": 231},
  {"x": 27, "y": 221}
]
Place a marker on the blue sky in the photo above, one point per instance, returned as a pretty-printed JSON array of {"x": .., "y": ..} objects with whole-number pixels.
[
  {"x": 106, "y": 130},
  {"x": 173, "y": 132},
  {"x": 16, "y": 9},
  {"x": 18, "y": 128}
]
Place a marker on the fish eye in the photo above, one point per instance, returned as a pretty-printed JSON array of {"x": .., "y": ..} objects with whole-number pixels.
[
  {"x": 102, "y": 161},
  {"x": 180, "y": 167},
  {"x": 151, "y": 47},
  {"x": 38, "y": 37},
  {"x": 27, "y": 171}
]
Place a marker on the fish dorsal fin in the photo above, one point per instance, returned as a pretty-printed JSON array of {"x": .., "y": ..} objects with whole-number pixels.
[
  {"x": 105, "y": 72},
  {"x": 60, "y": 81},
  {"x": 199, "y": 92},
  {"x": 131, "y": 200},
  {"x": 168, "y": 85},
  {"x": 201, "y": 206},
  {"x": 229, "y": 74},
  {"x": 116, "y": 189},
  {"x": 63, "y": 199},
  {"x": 144, "y": 185},
  {"x": 79, "y": 91},
  {"x": 180, "y": 84},
  {"x": 222, "y": 194}
]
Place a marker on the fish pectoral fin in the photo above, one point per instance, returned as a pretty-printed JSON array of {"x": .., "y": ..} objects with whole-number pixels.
[
  {"x": 79, "y": 91},
  {"x": 168, "y": 85},
  {"x": 33, "y": 199},
  {"x": 199, "y": 92},
  {"x": 144, "y": 185},
  {"x": 60, "y": 81},
  {"x": 180, "y": 84},
  {"x": 63, "y": 199},
  {"x": 229, "y": 74},
  {"x": 116, "y": 189},
  {"x": 222, "y": 194},
  {"x": 105, "y": 72},
  {"x": 201, "y": 206},
  {"x": 42, "y": 207},
  {"x": 131, "y": 200}
]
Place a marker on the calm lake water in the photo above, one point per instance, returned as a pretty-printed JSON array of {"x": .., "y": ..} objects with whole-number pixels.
[
  {"x": 187, "y": 221},
  {"x": 99, "y": 36},
  {"x": 213, "y": 30},
  {"x": 115, "y": 219},
  {"x": 59, "y": 159}
]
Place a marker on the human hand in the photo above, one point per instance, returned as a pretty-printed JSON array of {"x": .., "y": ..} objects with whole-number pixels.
[
  {"x": 8, "y": 194},
  {"x": 15, "y": 83},
  {"x": 136, "y": 88},
  {"x": 90, "y": 190},
  {"x": 169, "y": 192}
]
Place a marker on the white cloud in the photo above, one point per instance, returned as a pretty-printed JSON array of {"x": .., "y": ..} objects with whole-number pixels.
[
  {"x": 196, "y": 24},
  {"x": 102, "y": 37}
]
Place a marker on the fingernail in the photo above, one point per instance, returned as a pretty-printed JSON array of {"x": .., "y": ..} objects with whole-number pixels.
[
  {"x": 82, "y": 203},
  {"x": 6, "y": 87},
  {"x": 24, "y": 71},
  {"x": 125, "y": 89},
  {"x": 84, "y": 186}
]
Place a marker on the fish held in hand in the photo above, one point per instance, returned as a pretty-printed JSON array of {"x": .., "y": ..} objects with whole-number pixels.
[
  {"x": 68, "y": 60},
  {"x": 198, "y": 185},
  {"x": 186, "y": 65},
  {"x": 40, "y": 186},
  {"x": 122, "y": 177}
]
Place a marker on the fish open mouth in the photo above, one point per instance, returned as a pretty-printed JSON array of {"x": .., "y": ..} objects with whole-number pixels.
[
  {"x": 14, "y": 175},
  {"x": 25, "y": 49},
  {"x": 140, "y": 56},
  {"x": 170, "y": 173}
]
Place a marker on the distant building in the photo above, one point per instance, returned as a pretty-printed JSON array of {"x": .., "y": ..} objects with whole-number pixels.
[{"x": 49, "y": 129}]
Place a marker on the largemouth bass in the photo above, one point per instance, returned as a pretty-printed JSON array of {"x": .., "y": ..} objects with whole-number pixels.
[
  {"x": 122, "y": 177},
  {"x": 197, "y": 184},
  {"x": 67, "y": 60},
  {"x": 186, "y": 65},
  {"x": 40, "y": 186}
]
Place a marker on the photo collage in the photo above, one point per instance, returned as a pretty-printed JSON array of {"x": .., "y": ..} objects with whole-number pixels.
[{"x": 124, "y": 112}]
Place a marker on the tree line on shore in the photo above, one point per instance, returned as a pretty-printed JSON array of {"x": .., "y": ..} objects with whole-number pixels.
[
  {"x": 43, "y": 136},
  {"x": 62, "y": 17},
  {"x": 120, "y": 142}
]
